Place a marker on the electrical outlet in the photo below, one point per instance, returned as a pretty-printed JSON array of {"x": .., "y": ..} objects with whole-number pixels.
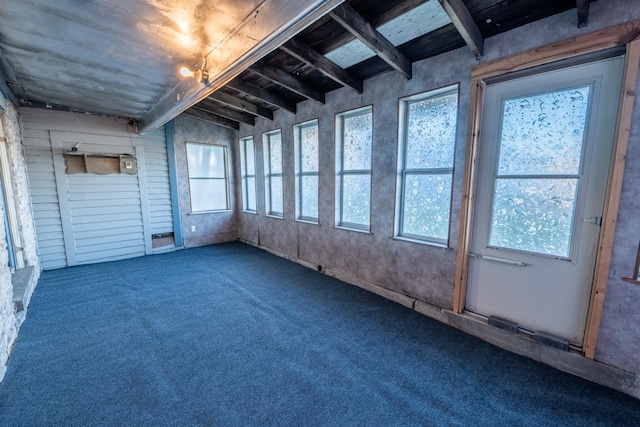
[{"x": 193, "y": 228}]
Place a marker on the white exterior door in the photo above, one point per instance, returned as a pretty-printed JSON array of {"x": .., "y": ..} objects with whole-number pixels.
[{"x": 543, "y": 161}]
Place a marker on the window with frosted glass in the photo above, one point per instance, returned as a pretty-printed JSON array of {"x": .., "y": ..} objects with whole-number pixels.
[
  {"x": 272, "y": 143},
  {"x": 538, "y": 171},
  {"x": 305, "y": 137},
  {"x": 354, "y": 136},
  {"x": 425, "y": 164},
  {"x": 207, "y": 177},
  {"x": 248, "y": 170}
]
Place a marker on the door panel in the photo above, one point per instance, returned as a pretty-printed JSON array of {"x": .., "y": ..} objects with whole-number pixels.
[{"x": 544, "y": 155}]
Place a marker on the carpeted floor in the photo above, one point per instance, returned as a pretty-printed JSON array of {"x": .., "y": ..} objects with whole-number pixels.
[{"x": 229, "y": 335}]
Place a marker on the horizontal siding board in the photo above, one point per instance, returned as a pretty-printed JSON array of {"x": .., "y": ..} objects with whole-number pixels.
[
  {"x": 114, "y": 226},
  {"x": 49, "y": 232},
  {"x": 102, "y": 188},
  {"x": 78, "y": 211},
  {"x": 102, "y": 256},
  {"x": 39, "y": 166},
  {"x": 98, "y": 221},
  {"x": 122, "y": 245},
  {"x": 97, "y": 233},
  {"x": 49, "y": 198},
  {"x": 104, "y": 203},
  {"x": 110, "y": 238},
  {"x": 124, "y": 195}
]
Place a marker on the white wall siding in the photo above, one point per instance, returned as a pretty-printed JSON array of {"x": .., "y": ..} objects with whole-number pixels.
[
  {"x": 158, "y": 188},
  {"x": 46, "y": 210},
  {"x": 86, "y": 218}
]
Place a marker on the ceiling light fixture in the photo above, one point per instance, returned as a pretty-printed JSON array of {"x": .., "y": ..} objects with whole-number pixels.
[{"x": 200, "y": 75}]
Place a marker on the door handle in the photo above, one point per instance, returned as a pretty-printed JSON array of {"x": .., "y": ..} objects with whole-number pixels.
[
  {"x": 500, "y": 260},
  {"x": 597, "y": 220}
]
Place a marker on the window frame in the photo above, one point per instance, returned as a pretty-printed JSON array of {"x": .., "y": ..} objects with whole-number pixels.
[
  {"x": 226, "y": 177},
  {"x": 402, "y": 171},
  {"x": 269, "y": 175},
  {"x": 244, "y": 162},
  {"x": 300, "y": 174},
  {"x": 340, "y": 172}
]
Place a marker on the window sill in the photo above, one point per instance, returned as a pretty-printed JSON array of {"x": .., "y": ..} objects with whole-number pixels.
[
  {"x": 423, "y": 242},
  {"x": 211, "y": 212},
  {"x": 630, "y": 280},
  {"x": 250, "y": 212},
  {"x": 307, "y": 221},
  {"x": 357, "y": 230},
  {"x": 281, "y": 217}
]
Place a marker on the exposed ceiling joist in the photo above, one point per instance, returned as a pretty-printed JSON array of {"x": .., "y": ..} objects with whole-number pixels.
[
  {"x": 257, "y": 92},
  {"x": 306, "y": 54},
  {"x": 241, "y": 104},
  {"x": 464, "y": 23},
  {"x": 582, "y": 7},
  {"x": 346, "y": 16},
  {"x": 211, "y": 118},
  {"x": 271, "y": 24},
  {"x": 228, "y": 113},
  {"x": 288, "y": 81}
]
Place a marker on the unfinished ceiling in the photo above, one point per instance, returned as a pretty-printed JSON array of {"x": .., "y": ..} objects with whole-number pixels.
[{"x": 121, "y": 58}]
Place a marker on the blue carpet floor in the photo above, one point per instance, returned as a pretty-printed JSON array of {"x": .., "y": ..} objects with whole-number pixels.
[{"x": 229, "y": 335}]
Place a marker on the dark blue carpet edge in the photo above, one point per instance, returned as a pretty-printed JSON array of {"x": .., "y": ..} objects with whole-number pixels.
[{"x": 232, "y": 335}]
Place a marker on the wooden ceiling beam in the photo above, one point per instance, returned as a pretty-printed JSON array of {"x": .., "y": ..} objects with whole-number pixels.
[
  {"x": 225, "y": 112},
  {"x": 257, "y": 92},
  {"x": 241, "y": 105},
  {"x": 353, "y": 22},
  {"x": 306, "y": 54},
  {"x": 288, "y": 81},
  {"x": 582, "y": 7},
  {"x": 212, "y": 118},
  {"x": 466, "y": 26}
]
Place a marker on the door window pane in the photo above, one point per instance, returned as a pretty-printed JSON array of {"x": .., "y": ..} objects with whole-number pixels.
[
  {"x": 543, "y": 134},
  {"x": 534, "y": 215}
]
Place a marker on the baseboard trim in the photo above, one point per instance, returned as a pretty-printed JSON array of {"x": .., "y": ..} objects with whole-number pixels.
[{"x": 570, "y": 362}]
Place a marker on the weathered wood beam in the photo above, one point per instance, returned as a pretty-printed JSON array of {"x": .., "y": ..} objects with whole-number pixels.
[
  {"x": 463, "y": 21},
  {"x": 229, "y": 113},
  {"x": 260, "y": 93},
  {"x": 241, "y": 104},
  {"x": 351, "y": 20},
  {"x": 267, "y": 27},
  {"x": 288, "y": 81},
  {"x": 582, "y": 7},
  {"x": 306, "y": 54},
  {"x": 212, "y": 118}
]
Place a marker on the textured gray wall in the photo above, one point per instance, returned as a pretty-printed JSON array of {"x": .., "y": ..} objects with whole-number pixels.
[
  {"x": 419, "y": 270},
  {"x": 214, "y": 227},
  {"x": 422, "y": 271}
]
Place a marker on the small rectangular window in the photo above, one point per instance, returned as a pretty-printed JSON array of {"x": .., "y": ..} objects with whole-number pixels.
[
  {"x": 207, "y": 169},
  {"x": 305, "y": 136},
  {"x": 427, "y": 138},
  {"x": 272, "y": 144},
  {"x": 354, "y": 137},
  {"x": 248, "y": 171}
]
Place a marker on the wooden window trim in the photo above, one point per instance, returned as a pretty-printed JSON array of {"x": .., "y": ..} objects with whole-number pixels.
[{"x": 628, "y": 35}]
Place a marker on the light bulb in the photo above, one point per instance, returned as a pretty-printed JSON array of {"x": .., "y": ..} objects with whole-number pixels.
[{"x": 185, "y": 72}]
